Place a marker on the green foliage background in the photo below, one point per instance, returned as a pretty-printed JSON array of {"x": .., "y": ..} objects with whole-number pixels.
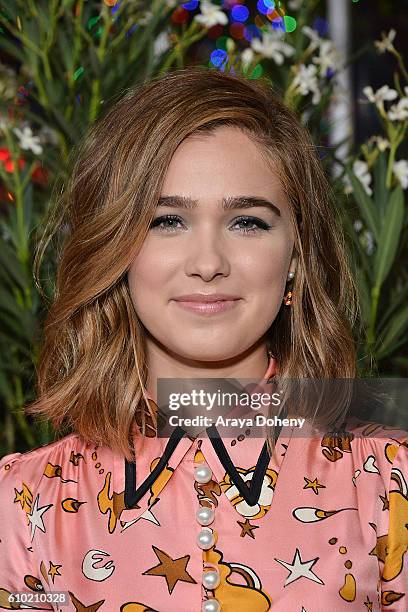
[{"x": 76, "y": 55}]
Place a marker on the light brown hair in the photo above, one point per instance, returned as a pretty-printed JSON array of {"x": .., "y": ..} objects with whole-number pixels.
[{"x": 93, "y": 363}]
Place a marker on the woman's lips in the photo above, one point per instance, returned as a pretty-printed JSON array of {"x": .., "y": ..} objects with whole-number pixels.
[{"x": 208, "y": 307}]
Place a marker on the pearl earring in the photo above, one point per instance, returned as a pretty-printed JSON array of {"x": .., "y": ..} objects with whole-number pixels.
[{"x": 291, "y": 275}]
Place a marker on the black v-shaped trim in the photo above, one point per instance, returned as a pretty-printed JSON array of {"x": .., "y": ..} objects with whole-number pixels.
[
  {"x": 132, "y": 494},
  {"x": 251, "y": 490}
]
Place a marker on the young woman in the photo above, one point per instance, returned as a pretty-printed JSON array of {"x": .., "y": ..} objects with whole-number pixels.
[{"x": 201, "y": 242}]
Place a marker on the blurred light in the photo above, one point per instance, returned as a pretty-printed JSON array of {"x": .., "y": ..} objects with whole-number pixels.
[
  {"x": 221, "y": 42},
  {"x": 263, "y": 7},
  {"x": 115, "y": 7},
  {"x": 179, "y": 15},
  {"x": 251, "y": 31},
  {"x": 228, "y": 4},
  {"x": 218, "y": 56},
  {"x": 190, "y": 6},
  {"x": 131, "y": 30},
  {"x": 215, "y": 31},
  {"x": 256, "y": 72},
  {"x": 240, "y": 13},
  {"x": 321, "y": 25},
  {"x": 273, "y": 15},
  {"x": 236, "y": 30},
  {"x": 290, "y": 23},
  {"x": 278, "y": 24}
]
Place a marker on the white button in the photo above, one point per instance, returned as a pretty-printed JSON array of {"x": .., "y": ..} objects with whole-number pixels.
[
  {"x": 211, "y": 605},
  {"x": 205, "y": 538},
  {"x": 205, "y": 515},
  {"x": 211, "y": 579},
  {"x": 202, "y": 474}
]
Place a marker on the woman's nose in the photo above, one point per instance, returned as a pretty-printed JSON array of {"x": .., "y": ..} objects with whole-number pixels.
[{"x": 207, "y": 255}]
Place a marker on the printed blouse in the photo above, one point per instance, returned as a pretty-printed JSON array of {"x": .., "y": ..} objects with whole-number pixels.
[{"x": 209, "y": 524}]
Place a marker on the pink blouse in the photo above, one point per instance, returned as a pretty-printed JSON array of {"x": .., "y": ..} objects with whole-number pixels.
[{"x": 209, "y": 524}]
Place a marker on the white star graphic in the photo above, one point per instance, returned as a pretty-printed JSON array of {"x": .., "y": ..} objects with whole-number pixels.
[
  {"x": 147, "y": 515},
  {"x": 35, "y": 517},
  {"x": 300, "y": 569}
]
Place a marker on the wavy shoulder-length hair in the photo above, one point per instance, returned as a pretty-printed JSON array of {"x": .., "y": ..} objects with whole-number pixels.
[{"x": 92, "y": 367}]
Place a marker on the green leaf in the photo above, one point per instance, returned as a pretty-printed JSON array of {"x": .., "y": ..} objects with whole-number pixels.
[
  {"x": 43, "y": 17},
  {"x": 66, "y": 50},
  {"x": 380, "y": 188},
  {"x": 10, "y": 267},
  {"x": 388, "y": 240},
  {"x": 364, "y": 295},
  {"x": 365, "y": 204},
  {"x": 392, "y": 335},
  {"x": 32, "y": 31},
  {"x": 10, "y": 8},
  {"x": 95, "y": 63},
  {"x": 396, "y": 297},
  {"x": 5, "y": 388},
  {"x": 12, "y": 48}
]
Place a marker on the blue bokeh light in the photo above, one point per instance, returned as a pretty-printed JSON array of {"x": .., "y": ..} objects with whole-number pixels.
[
  {"x": 321, "y": 25},
  {"x": 190, "y": 6},
  {"x": 265, "y": 6},
  {"x": 218, "y": 57},
  {"x": 251, "y": 31},
  {"x": 240, "y": 13}
]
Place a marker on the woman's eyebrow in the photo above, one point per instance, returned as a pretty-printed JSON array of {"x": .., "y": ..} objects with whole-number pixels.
[{"x": 230, "y": 203}]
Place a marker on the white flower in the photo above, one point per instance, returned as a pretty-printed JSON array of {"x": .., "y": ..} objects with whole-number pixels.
[
  {"x": 161, "y": 43},
  {"x": 273, "y": 46},
  {"x": 367, "y": 240},
  {"x": 399, "y": 111},
  {"x": 5, "y": 123},
  {"x": 211, "y": 15},
  {"x": 314, "y": 36},
  {"x": 386, "y": 43},
  {"x": 401, "y": 172},
  {"x": 381, "y": 95},
  {"x": 247, "y": 56},
  {"x": 27, "y": 140},
  {"x": 295, "y": 5},
  {"x": 145, "y": 18},
  {"x": 358, "y": 224},
  {"x": 8, "y": 82},
  {"x": 360, "y": 169},
  {"x": 382, "y": 143},
  {"x": 347, "y": 184},
  {"x": 47, "y": 134},
  {"x": 230, "y": 45},
  {"x": 306, "y": 81},
  {"x": 329, "y": 57}
]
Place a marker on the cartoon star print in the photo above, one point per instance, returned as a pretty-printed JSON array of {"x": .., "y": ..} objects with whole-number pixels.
[
  {"x": 35, "y": 517},
  {"x": 300, "y": 569}
]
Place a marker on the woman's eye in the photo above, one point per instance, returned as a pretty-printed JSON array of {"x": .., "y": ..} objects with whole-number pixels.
[
  {"x": 166, "y": 223},
  {"x": 260, "y": 225}
]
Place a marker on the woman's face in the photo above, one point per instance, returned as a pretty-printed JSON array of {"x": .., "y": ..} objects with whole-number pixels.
[{"x": 244, "y": 252}]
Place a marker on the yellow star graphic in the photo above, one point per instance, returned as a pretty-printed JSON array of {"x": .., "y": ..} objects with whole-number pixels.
[
  {"x": 247, "y": 528},
  {"x": 313, "y": 484},
  {"x": 171, "y": 569},
  {"x": 53, "y": 571}
]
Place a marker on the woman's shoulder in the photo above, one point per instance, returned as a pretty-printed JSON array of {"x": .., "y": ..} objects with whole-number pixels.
[
  {"x": 388, "y": 443},
  {"x": 380, "y": 432},
  {"x": 54, "y": 456}
]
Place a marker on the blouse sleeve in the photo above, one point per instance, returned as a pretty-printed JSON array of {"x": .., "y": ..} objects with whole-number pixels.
[
  {"x": 18, "y": 567},
  {"x": 394, "y": 575}
]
